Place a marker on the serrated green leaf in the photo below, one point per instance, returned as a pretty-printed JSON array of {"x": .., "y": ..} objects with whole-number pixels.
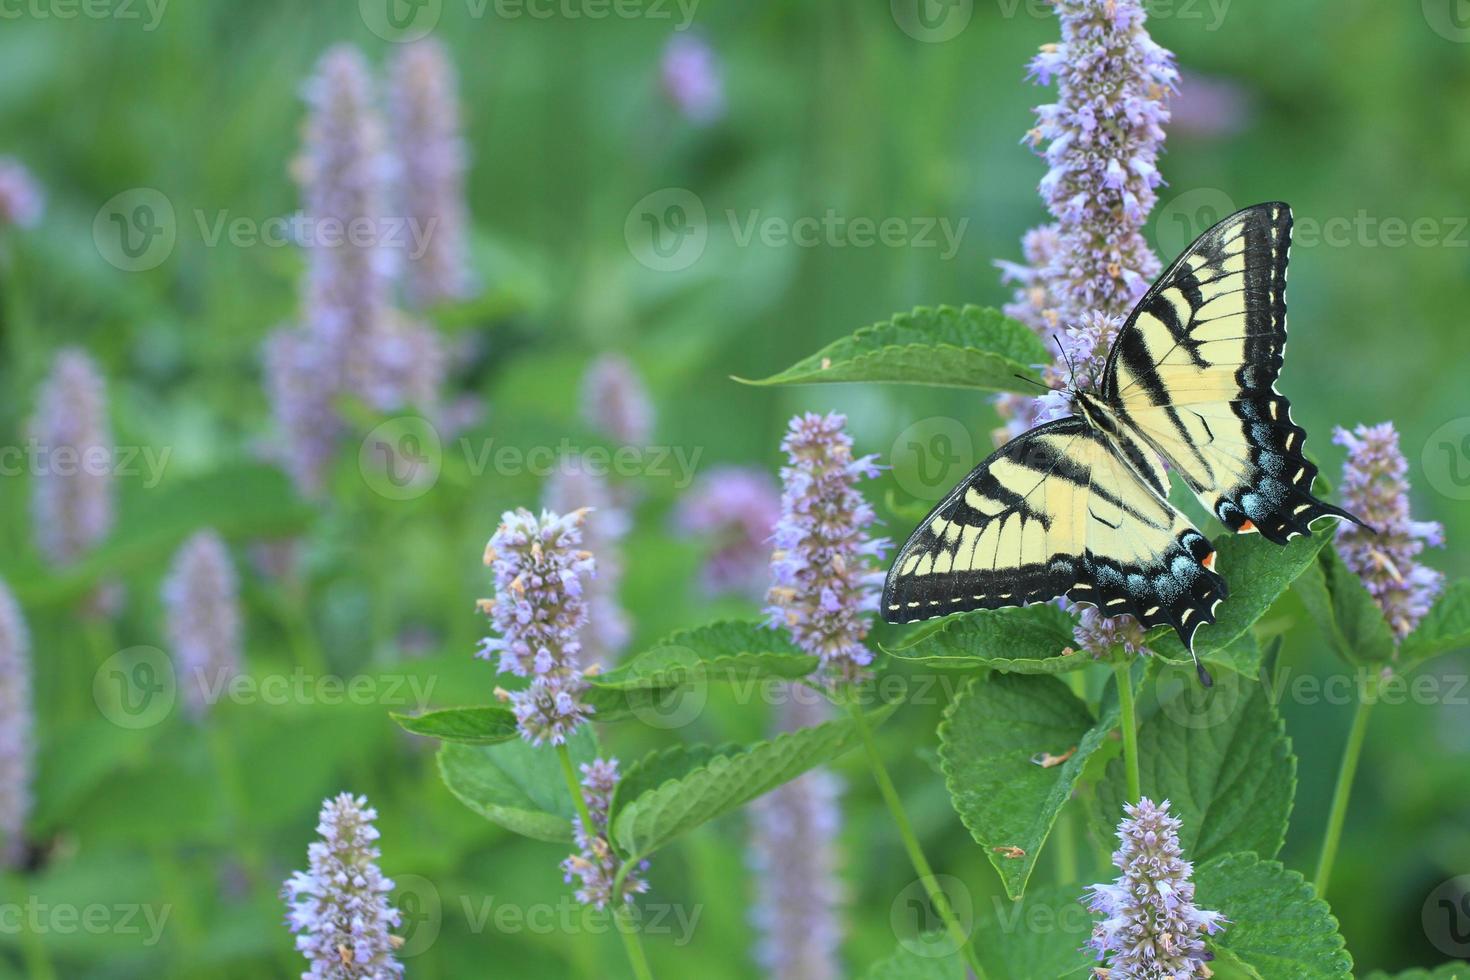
[
  {"x": 1345, "y": 612},
  {"x": 1244, "y": 657},
  {"x": 1041, "y": 937},
  {"x": 719, "y": 783},
  {"x": 482, "y": 725},
  {"x": 1221, "y": 757},
  {"x": 1445, "y": 628},
  {"x": 1278, "y": 926},
  {"x": 973, "y": 347},
  {"x": 926, "y": 957},
  {"x": 1449, "y": 971},
  {"x": 991, "y": 742},
  {"x": 1258, "y": 572},
  {"x": 729, "y": 651},
  {"x": 517, "y": 785},
  {"x": 662, "y": 765},
  {"x": 1019, "y": 639}
]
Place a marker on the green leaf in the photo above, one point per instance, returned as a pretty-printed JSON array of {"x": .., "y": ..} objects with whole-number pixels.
[
  {"x": 718, "y": 783},
  {"x": 662, "y": 765},
  {"x": 1343, "y": 609},
  {"x": 1446, "y": 628},
  {"x": 972, "y": 347},
  {"x": 483, "y": 725},
  {"x": 245, "y": 500},
  {"x": 1041, "y": 936},
  {"x": 1032, "y": 639},
  {"x": 927, "y": 957},
  {"x": 1258, "y": 572},
  {"x": 992, "y": 740},
  {"x": 1449, "y": 971},
  {"x": 517, "y": 785},
  {"x": 1221, "y": 757},
  {"x": 730, "y": 651},
  {"x": 1278, "y": 926}
]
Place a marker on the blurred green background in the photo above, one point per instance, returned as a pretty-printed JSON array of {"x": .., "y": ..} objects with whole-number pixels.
[{"x": 1349, "y": 110}]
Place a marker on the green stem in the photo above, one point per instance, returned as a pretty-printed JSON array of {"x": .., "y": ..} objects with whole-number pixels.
[
  {"x": 35, "y": 955},
  {"x": 937, "y": 898},
  {"x": 1129, "y": 724},
  {"x": 1345, "y": 774},
  {"x": 626, "y": 928},
  {"x": 1066, "y": 847}
]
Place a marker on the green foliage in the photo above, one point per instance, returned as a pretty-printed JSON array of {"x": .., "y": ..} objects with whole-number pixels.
[
  {"x": 717, "y": 783},
  {"x": 1222, "y": 759},
  {"x": 728, "y": 651},
  {"x": 1448, "y": 971},
  {"x": 965, "y": 348},
  {"x": 1018, "y": 639},
  {"x": 998, "y": 743},
  {"x": 1446, "y": 628},
  {"x": 921, "y": 958},
  {"x": 1278, "y": 927},
  {"x": 1042, "y": 935},
  {"x": 1258, "y": 572},
  {"x": 472, "y": 726},
  {"x": 1345, "y": 612},
  {"x": 517, "y": 785}
]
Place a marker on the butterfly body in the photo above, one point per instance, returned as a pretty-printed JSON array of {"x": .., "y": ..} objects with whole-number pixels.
[{"x": 1079, "y": 507}]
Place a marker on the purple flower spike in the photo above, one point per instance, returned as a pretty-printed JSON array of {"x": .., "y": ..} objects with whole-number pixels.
[
  {"x": 736, "y": 508},
  {"x": 22, "y": 202},
  {"x": 1151, "y": 928},
  {"x": 596, "y": 867},
  {"x": 573, "y": 486},
  {"x": 1375, "y": 486},
  {"x": 822, "y": 569},
  {"x": 73, "y": 492},
  {"x": 539, "y": 610},
  {"x": 202, "y": 599},
  {"x": 17, "y": 730},
  {"x": 339, "y": 908}
]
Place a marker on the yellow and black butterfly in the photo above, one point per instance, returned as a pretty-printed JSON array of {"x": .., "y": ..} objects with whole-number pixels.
[{"x": 1079, "y": 507}]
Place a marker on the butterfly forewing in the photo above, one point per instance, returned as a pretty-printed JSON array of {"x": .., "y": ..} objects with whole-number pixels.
[
  {"x": 1056, "y": 512},
  {"x": 1193, "y": 372}
]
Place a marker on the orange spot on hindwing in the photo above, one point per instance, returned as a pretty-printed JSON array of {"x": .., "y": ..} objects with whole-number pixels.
[
  {"x": 1246, "y": 528},
  {"x": 1209, "y": 561}
]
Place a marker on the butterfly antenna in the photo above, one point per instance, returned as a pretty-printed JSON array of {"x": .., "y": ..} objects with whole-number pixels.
[
  {"x": 1071, "y": 368},
  {"x": 1033, "y": 381}
]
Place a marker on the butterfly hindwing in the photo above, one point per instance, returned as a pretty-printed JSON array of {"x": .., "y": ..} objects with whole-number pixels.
[
  {"x": 1193, "y": 371},
  {"x": 1056, "y": 512}
]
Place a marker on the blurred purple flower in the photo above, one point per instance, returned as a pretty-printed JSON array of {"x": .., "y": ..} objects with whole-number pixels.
[
  {"x": 1375, "y": 486},
  {"x": 822, "y": 569},
  {"x": 17, "y": 730},
  {"x": 72, "y": 493},
  {"x": 572, "y": 487},
  {"x": 691, "y": 78},
  {"x": 299, "y": 366},
  {"x": 596, "y": 867},
  {"x": 539, "y": 610},
  {"x": 22, "y": 202},
  {"x": 201, "y": 598},
  {"x": 1209, "y": 108},
  {"x": 615, "y": 402},
  {"x": 424, "y": 109},
  {"x": 794, "y": 855},
  {"x": 736, "y": 507},
  {"x": 1151, "y": 925},
  {"x": 339, "y": 908}
]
